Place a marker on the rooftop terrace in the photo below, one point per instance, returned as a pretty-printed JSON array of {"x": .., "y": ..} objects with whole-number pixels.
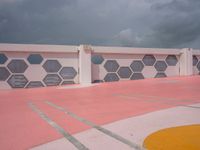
[
  {"x": 116, "y": 115},
  {"x": 66, "y": 97}
]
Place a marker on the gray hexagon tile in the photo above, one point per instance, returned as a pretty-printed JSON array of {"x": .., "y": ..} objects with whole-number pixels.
[
  {"x": 35, "y": 59},
  {"x": 97, "y": 59},
  {"x": 52, "y": 80},
  {"x": 149, "y": 60},
  {"x": 52, "y": 66},
  {"x": 137, "y": 76},
  {"x": 160, "y": 66},
  {"x": 17, "y": 66},
  {"x": 34, "y": 84},
  {"x": 171, "y": 60},
  {"x": 17, "y": 81},
  {"x": 67, "y": 82},
  {"x": 68, "y": 73},
  {"x": 110, "y": 77},
  {"x": 160, "y": 75},
  {"x": 3, "y": 58},
  {"x": 111, "y": 65},
  {"x": 124, "y": 72},
  {"x": 4, "y": 74},
  {"x": 198, "y": 66},
  {"x": 137, "y": 66},
  {"x": 195, "y": 60}
]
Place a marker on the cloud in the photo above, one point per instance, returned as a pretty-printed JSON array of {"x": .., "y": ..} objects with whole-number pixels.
[
  {"x": 144, "y": 23},
  {"x": 126, "y": 37},
  {"x": 179, "y": 25}
]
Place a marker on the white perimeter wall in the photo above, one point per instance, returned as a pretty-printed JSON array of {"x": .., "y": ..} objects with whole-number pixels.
[{"x": 28, "y": 66}]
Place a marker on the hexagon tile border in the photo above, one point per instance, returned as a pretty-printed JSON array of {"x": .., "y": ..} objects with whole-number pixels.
[
  {"x": 12, "y": 71},
  {"x": 110, "y": 69}
]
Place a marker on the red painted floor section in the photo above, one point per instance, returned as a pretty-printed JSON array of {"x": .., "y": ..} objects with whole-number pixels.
[{"x": 21, "y": 128}]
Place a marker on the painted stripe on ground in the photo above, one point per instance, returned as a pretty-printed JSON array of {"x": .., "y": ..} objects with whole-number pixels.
[
  {"x": 69, "y": 137},
  {"x": 136, "y": 128},
  {"x": 191, "y": 106},
  {"x": 99, "y": 128}
]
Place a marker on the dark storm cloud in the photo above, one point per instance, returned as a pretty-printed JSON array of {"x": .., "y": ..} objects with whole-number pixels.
[
  {"x": 144, "y": 23},
  {"x": 32, "y": 21},
  {"x": 180, "y": 23}
]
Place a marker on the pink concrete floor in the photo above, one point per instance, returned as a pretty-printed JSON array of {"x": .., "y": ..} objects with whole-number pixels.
[{"x": 21, "y": 128}]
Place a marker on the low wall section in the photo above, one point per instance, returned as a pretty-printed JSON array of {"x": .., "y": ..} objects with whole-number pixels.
[
  {"x": 113, "y": 64},
  {"x": 28, "y": 66}
]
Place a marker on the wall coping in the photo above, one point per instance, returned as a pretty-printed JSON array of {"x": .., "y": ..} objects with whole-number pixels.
[
  {"x": 5, "y": 47},
  {"x": 131, "y": 50},
  {"x": 38, "y": 48}
]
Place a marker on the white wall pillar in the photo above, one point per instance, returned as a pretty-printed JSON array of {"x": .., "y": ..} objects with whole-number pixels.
[
  {"x": 186, "y": 62},
  {"x": 85, "y": 73}
]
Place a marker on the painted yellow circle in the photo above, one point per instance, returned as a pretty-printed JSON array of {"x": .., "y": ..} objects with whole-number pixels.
[{"x": 176, "y": 138}]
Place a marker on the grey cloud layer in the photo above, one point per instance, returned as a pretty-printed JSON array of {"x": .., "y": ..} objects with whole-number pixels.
[{"x": 144, "y": 23}]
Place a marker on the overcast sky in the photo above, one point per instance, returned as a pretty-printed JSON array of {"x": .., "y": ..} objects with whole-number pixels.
[{"x": 138, "y": 23}]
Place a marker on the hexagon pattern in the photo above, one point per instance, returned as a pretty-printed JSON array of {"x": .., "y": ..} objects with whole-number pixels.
[
  {"x": 4, "y": 74},
  {"x": 67, "y": 82},
  {"x": 160, "y": 75},
  {"x": 149, "y": 60},
  {"x": 52, "y": 66},
  {"x": 110, "y": 77},
  {"x": 135, "y": 71},
  {"x": 34, "y": 84},
  {"x": 52, "y": 80},
  {"x": 17, "y": 81},
  {"x": 137, "y": 76},
  {"x": 171, "y": 60},
  {"x": 16, "y": 70},
  {"x": 137, "y": 66},
  {"x": 68, "y": 73},
  {"x": 160, "y": 66},
  {"x": 111, "y": 65},
  {"x": 97, "y": 59},
  {"x": 17, "y": 66},
  {"x": 124, "y": 72},
  {"x": 195, "y": 60},
  {"x": 35, "y": 59},
  {"x": 114, "y": 72},
  {"x": 3, "y": 58}
]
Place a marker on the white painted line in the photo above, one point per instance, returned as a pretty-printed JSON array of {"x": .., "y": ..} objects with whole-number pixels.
[
  {"x": 135, "y": 128},
  {"x": 67, "y": 136},
  {"x": 99, "y": 128}
]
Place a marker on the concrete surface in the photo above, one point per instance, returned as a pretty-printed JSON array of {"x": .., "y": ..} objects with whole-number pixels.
[{"x": 130, "y": 110}]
